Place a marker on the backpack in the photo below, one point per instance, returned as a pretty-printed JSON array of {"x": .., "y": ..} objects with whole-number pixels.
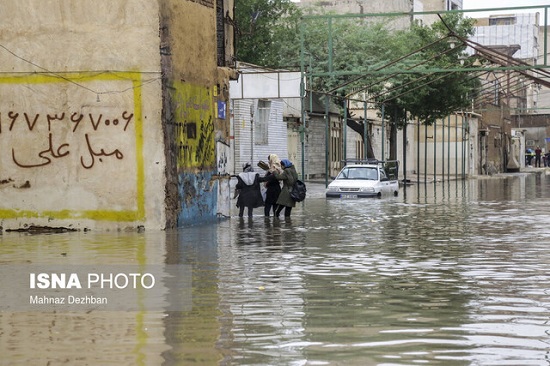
[{"x": 298, "y": 192}]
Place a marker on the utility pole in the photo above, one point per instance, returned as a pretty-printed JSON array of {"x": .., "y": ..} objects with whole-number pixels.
[{"x": 252, "y": 133}]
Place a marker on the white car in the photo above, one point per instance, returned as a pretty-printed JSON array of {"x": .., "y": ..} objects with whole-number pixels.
[{"x": 369, "y": 179}]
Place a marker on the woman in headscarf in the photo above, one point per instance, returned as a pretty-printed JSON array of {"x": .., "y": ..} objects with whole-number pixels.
[
  {"x": 272, "y": 184},
  {"x": 248, "y": 185},
  {"x": 288, "y": 176}
]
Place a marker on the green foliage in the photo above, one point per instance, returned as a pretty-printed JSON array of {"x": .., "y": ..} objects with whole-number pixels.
[
  {"x": 355, "y": 48},
  {"x": 403, "y": 69},
  {"x": 435, "y": 93},
  {"x": 265, "y": 29}
]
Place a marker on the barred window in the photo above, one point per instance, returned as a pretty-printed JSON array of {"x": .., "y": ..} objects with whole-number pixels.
[
  {"x": 504, "y": 20},
  {"x": 261, "y": 122}
]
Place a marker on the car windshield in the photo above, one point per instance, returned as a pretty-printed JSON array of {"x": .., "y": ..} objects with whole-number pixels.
[{"x": 368, "y": 173}]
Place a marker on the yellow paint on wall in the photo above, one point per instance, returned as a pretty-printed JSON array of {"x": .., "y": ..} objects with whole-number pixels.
[
  {"x": 195, "y": 114},
  {"x": 80, "y": 79}
]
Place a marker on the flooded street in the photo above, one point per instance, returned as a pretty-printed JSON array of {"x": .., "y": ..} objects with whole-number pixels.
[{"x": 455, "y": 273}]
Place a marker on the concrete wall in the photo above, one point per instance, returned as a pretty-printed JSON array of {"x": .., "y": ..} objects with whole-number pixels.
[
  {"x": 444, "y": 147},
  {"x": 196, "y": 95},
  {"x": 80, "y": 133},
  {"x": 524, "y": 32},
  {"x": 360, "y": 6},
  {"x": 113, "y": 113},
  {"x": 543, "y": 96},
  {"x": 367, "y": 7}
]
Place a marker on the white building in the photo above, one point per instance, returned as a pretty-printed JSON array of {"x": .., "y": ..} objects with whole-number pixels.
[
  {"x": 257, "y": 125},
  {"x": 514, "y": 32}
]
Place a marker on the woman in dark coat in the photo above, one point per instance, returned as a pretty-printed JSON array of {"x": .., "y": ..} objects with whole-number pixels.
[
  {"x": 248, "y": 185},
  {"x": 272, "y": 184},
  {"x": 289, "y": 176}
]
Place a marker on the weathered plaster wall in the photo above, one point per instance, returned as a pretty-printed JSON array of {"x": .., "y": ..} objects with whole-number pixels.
[
  {"x": 442, "y": 147},
  {"x": 195, "y": 99},
  {"x": 81, "y": 142},
  {"x": 496, "y": 121}
]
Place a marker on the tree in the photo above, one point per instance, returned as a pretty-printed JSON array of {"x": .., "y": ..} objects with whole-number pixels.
[
  {"x": 434, "y": 93},
  {"x": 265, "y": 29},
  {"x": 403, "y": 71}
]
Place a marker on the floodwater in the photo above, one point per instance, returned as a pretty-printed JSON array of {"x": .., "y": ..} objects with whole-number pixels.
[{"x": 455, "y": 273}]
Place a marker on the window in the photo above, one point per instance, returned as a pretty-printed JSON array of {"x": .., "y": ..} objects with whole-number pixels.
[
  {"x": 452, "y": 6},
  {"x": 261, "y": 122},
  {"x": 502, "y": 20}
]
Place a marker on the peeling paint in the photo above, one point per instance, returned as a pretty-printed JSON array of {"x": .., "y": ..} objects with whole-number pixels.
[
  {"x": 27, "y": 184},
  {"x": 198, "y": 193}
]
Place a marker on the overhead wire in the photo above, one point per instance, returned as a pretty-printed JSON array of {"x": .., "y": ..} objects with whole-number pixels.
[{"x": 72, "y": 81}]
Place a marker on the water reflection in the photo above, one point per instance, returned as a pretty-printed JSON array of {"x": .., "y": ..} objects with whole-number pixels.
[
  {"x": 79, "y": 338},
  {"x": 448, "y": 274}
]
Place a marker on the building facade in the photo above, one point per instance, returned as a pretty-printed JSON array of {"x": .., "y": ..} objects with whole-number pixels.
[
  {"x": 352, "y": 141},
  {"x": 112, "y": 113},
  {"x": 508, "y": 98}
]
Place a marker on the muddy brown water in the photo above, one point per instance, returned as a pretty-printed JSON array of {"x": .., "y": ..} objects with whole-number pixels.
[{"x": 455, "y": 273}]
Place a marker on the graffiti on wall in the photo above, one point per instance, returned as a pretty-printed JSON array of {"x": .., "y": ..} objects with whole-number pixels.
[
  {"x": 77, "y": 155},
  {"x": 53, "y": 147},
  {"x": 194, "y": 126}
]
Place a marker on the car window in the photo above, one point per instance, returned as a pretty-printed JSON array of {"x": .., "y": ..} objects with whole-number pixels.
[
  {"x": 383, "y": 175},
  {"x": 358, "y": 173},
  {"x": 354, "y": 173},
  {"x": 343, "y": 174},
  {"x": 371, "y": 173}
]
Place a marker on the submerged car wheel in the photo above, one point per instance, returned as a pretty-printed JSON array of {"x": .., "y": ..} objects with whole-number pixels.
[
  {"x": 395, "y": 193},
  {"x": 379, "y": 195}
]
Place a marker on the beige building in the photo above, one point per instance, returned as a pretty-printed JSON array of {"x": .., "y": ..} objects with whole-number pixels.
[{"x": 113, "y": 112}]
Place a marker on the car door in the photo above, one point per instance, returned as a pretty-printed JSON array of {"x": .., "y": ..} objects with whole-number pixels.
[{"x": 384, "y": 182}]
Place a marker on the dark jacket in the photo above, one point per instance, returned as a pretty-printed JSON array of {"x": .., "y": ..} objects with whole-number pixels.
[
  {"x": 288, "y": 177},
  {"x": 273, "y": 188},
  {"x": 250, "y": 195}
]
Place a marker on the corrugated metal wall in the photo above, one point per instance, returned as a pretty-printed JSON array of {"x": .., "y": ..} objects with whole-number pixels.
[{"x": 277, "y": 133}]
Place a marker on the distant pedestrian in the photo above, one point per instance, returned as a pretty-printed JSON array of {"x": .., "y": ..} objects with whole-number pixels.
[
  {"x": 538, "y": 153},
  {"x": 248, "y": 188},
  {"x": 528, "y": 156},
  {"x": 289, "y": 176},
  {"x": 272, "y": 184}
]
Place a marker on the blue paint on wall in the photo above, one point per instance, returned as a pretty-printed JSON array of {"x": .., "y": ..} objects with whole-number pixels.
[{"x": 198, "y": 198}]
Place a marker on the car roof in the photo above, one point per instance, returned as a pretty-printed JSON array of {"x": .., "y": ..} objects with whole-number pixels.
[{"x": 361, "y": 166}]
